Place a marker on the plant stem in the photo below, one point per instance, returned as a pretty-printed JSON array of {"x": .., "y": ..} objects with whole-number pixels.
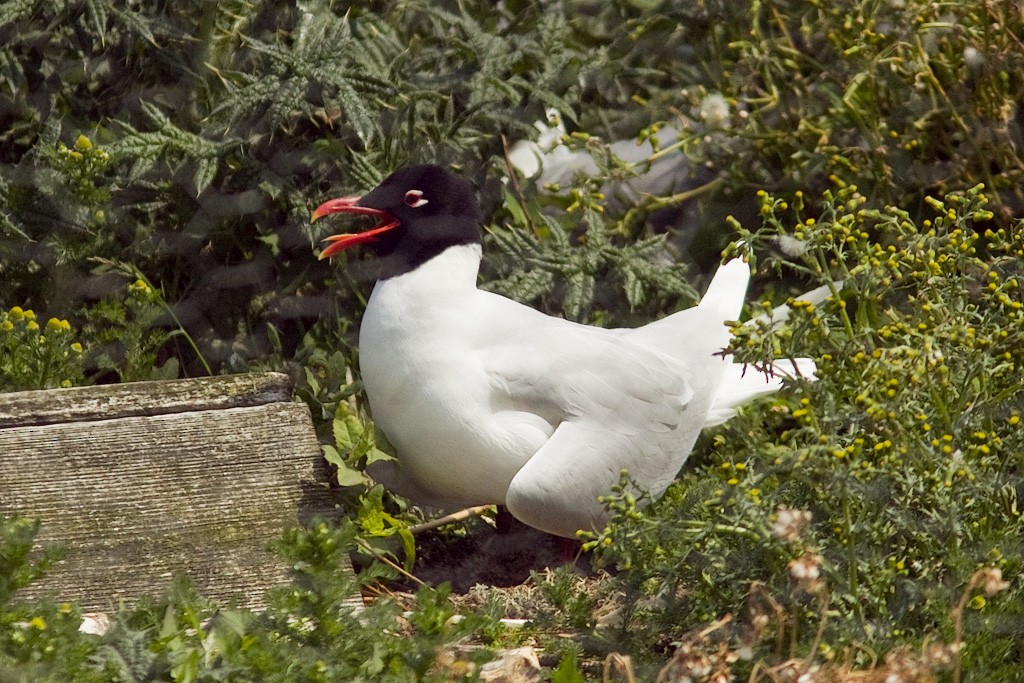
[{"x": 853, "y": 578}]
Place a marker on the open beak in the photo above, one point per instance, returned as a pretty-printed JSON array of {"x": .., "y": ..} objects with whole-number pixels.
[{"x": 339, "y": 243}]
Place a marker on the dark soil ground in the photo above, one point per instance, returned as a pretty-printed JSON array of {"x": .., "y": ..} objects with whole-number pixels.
[
  {"x": 482, "y": 553},
  {"x": 494, "y": 557}
]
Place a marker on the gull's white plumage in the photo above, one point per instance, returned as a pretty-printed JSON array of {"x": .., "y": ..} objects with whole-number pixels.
[
  {"x": 548, "y": 161},
  {"x": 489, "y": 401},
  {"x": 494, "y": 402}
]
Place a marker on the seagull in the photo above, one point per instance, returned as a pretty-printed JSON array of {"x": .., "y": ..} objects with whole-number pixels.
[
  {"x": 488, "y": 401},
  {"x": 550, "y": 163}
]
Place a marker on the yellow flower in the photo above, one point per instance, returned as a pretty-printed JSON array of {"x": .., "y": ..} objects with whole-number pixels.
[
  {"x": 53, "y": 325},
  {"x": 29, "y": 314},
  {"x": 38, "y": 623},
  {"x": 6, "y": 326},
  {"x": 83, "y": 144},
  {"x": 16, "y": 313},
  {"x": 139, "y": 286},
  {"x": 33, "y": 325},
  {"x": 76, "y": 347}
]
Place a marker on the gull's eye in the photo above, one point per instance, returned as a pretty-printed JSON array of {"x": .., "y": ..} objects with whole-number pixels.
[{"x": 414, "y": 198}]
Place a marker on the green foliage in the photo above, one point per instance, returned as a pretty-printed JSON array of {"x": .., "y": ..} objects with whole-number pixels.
[
  {"x": 313, "y": 62},
  {"x": 34, "y": 357},
  {"x": 863, "y": 503},
  {"x": 567, "y": 671},
  {"x": 122, "y": 335},
  {"x": 914, "y": 99},
  {"x": 562, "y": 258},
  {"x": 309, "y": 632},
  {"x": 562, "y": 591},
  {"x": 126, "y": 338},
  {"x": 376, "y": 525},
  {"x": 193, "y": 140},
  {"x": 377, "y": 514},
  {"x": 38, "y": 642},
  {"x": 83, "y": 166},
  {"x": 190, "y": 141},
  {"x": 354, "y": 447},
  {"x": 17, "y": 536}
]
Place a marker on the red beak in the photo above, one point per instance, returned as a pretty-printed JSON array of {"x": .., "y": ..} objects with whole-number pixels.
[{"x": 339, "y": 243}]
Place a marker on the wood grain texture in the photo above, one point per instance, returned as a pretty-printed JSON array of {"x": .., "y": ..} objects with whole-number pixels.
[
  {"x": 138, "y": 498},
  {"x": 142, "y": 398}
]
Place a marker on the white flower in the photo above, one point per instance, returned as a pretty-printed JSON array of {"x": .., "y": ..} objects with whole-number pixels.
[
  {"x": 805, "y": 569},
  {"x": 789, "y": 524},
  {"x": 96, "y": 623},
  {"x": 993, "y": 581},
  {"x": 715, "y": 111}
]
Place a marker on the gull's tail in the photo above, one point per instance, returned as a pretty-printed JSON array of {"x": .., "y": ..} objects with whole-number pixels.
[
  {"x": 742, "y": 383},
  {"x": 728, "y": 289}
]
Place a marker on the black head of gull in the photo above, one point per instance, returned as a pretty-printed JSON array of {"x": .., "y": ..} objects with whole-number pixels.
[{"x": 420, "y": 210}]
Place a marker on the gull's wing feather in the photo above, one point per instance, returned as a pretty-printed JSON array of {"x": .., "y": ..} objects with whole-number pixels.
[
  {"x": 631, "y": 400},
  {"x": 574, "y": 372},
  {"x": 559, "y": 489},
  {"x": 617, "y": 405},
  {"x": 742, "y": 383}
]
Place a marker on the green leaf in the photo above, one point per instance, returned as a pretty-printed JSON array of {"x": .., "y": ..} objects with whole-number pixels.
[
  {"x": 409, "y": 544},
  {"x": 311, "y": 380},
  {"x": 348, "y": 431},
  {"x": 358, "y": 114},
  {"x": 331, "y": 455},
  {"x": 514, "y": 207},
  {"x": 205, "y": 173},
  {"x": 347, "y": 475},
  {"x": 633, "y": 287},
  {"x": 568, "y": 671},
  {"x": 167, "y": 371}
]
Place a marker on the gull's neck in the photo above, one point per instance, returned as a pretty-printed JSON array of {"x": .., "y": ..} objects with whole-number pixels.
[{"x": 455, "y": 268}]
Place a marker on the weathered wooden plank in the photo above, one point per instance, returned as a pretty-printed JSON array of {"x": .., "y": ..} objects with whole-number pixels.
[
  {"x": 142, "y": 398},
  {"x": 136, "y": 499}
]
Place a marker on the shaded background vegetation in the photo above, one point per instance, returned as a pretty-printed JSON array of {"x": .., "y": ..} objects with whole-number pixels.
[{"x": 216, "y": 127}]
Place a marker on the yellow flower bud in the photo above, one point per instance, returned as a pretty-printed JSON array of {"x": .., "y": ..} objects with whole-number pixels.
[{"x": 83, "y": 144}]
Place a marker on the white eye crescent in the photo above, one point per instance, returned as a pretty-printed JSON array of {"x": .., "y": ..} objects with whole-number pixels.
[{"x": 414, "y": 198}]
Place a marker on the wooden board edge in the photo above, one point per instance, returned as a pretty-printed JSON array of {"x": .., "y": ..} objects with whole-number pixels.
[{"x": 81, "y": 404}]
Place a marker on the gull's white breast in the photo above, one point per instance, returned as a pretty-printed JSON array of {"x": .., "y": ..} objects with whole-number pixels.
[{"x": 420, "y": 346}]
